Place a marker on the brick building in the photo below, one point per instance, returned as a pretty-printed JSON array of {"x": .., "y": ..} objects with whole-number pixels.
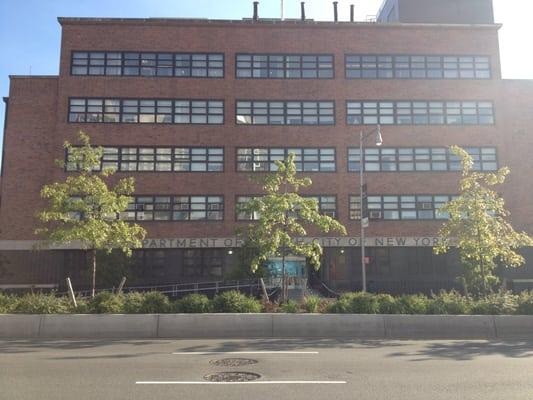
[{"x": 191, "y": 108}]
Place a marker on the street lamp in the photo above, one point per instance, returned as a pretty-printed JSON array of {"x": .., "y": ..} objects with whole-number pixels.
[{"x": 364, "y": 221}]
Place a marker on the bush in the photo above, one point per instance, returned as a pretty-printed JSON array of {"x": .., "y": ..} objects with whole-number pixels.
[
  {"x": 525, "y": 303},
  {"x": 387, "y": 304},
  {"x": 133, "y": 303},
  {"x": 40, "y": 303},
  {"x": 193, "y": 303},
  {"x": 311, "y": 304},
  {"x": 155, "y": 303},
  {"x": 289, "y": 307},
  {"x": 355, "y": 303},
  {"x": 448, "y": 303},
  {"x": 412, "y": 304},
  {"x": 496, "y": 304},
  {"x": 7, "y": 303},
  {"x": 234, "y": 301},
  {"x": 107, "y": 302}
]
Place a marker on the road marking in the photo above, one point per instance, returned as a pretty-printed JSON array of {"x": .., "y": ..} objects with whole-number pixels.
[
  {"x": 239, "y": 383},
  {"x": 201, "y": 353}
]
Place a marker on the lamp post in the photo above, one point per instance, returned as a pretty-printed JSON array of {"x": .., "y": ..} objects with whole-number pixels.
[{"x": 364, "y": 221}]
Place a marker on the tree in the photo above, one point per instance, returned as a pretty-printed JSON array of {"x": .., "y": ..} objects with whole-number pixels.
[
  {"x": 282, "y": 214},
  {"x": 85, "y": 210},
  {"x": 478, "y": 227}
]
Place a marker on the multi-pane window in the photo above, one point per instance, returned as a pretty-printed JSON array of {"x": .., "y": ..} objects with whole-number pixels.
[
  {"x": 175, "y": 208},
  {"x": 327, "y": 205},
  {"x": 419, "y": 112},
  {"x": 416, "y": 67},
  {"x": 306, "y": 159},
  {"x": 146, "y": 111},
  {"x": 304, "y": 66},
  {"x": 207, "y": 263},
  {"x": 201, "y": 65},
  {"x": 259, "y": 112},
  {"x": 405, "y": 207},
  {"x": 387, "y": 159},
  {"x": 160, "y": 159}
]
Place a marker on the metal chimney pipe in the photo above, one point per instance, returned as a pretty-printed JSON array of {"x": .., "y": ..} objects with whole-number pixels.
[
  {"x": 302, "y": 7},
  {"x": 351, "y": 12},
  {"x": 256, "y": 16},
  {"x": 335, "y": 14}
]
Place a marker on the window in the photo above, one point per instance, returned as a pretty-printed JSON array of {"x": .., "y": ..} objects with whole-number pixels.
[
  {"x": 419, "y": 112},
  {"x": 241, "y": 214},
  {"x": 146, "y": 111},
  {"x": 160, "y": 159},
  {"x": 327, "y": 205},
  {"x": 205, "y": 263},
  {"x": 360, "y": 66},
  {"x": 404, "y": 207},
  {"x": 197, "y": 65},
  {"x": 175, "y": 208},
  {"x": 306, "y": 159},
  {"x": 420, "y": 159},
  {"x": 285, "y": 112},
  {"x": 288, "y": 66}
]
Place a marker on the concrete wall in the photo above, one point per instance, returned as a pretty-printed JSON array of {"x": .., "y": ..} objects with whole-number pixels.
[{"x": 181, "y": 326}]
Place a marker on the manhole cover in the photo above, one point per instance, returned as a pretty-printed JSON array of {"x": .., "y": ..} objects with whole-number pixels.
[
  {"x": 233, "y": 362},
  {"x": 232, "y": 377}
]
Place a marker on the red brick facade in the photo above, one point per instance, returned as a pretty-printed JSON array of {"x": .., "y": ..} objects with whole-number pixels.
[{"x": 37, "y": 118}]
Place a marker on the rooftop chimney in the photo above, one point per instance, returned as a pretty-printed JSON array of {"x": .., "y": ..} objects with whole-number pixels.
[
  {"x": 351, "y": 13},
  {"x": 255, "y": 11},
  {"x": 302, "y": 6},
  {"x": 335, "y": 14}
]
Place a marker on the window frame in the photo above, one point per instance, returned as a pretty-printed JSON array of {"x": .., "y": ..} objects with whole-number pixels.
[
  {"x": 121, "y": 112},
  {"x": 123, "y": 65}
]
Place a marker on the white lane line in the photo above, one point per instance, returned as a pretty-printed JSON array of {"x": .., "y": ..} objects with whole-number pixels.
[
  {"x": 200, "y": 353},
  {"x": 239, "y": 383}
]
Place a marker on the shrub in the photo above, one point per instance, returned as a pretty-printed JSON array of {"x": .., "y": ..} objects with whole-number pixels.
[
  {"x": 234, "y": 301},
  {"x": 311, "y": 304},
  {"x": 412, "y": 304},
  {"x": 289, "y": 307},
  {"x": 496, "y": 304},
  {"x": 154, "y": 303},
  {"x": 448, "y": 303},
  {"x": 107, "y": 302},
  {"x": 40, "y": 303},
  {"x": 7, "y": 303},
  {"x": 387, "y": 304},
  {"x": 133, "y": 303},
  {"x": 525, "y": 303},
  {"x": 355, "y": 303},
  {"x": 193, "y": 303}
]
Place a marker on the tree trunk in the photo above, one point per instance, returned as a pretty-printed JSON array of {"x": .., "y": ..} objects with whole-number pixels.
[
  {"x": 483, "y": 276},
  {"x": 93, "y": 259},
  {"x": 283, "y": 278}
]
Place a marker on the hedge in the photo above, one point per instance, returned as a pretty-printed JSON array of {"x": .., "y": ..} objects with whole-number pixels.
[{"x": 237, "y": 302}]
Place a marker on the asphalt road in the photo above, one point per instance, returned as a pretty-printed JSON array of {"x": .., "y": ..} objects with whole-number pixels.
[{"x": 290, "y": 369}]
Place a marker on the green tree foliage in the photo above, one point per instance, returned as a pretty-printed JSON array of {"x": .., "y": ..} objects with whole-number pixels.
[
  {"x": 83, "y": 209},
  {"x": 478, "y": 226},
  {"x": 283, "y": 213}
]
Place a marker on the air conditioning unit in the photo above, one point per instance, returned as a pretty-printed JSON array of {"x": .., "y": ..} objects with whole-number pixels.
[
  {"x": 375, "y": 214},
  {"x": 427, "y": 206}
]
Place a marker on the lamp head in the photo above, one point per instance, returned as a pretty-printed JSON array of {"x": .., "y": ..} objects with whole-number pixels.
[{"x": 379, "y": 139}]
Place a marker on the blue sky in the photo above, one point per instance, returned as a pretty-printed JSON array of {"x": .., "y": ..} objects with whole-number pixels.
[{"x": 30, "y": 34}]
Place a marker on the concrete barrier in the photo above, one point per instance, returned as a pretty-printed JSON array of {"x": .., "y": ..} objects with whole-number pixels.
[
  {"x": 20, "y": 326},
  {"x": 99, "y": 326},
  {"x": 514, "y": 326},
  {"x": 215, "y": 326},
  {"x": 439, "y": 326},
  {"x": 266, "y": 326},
  {"x": 328, "y": 325}
]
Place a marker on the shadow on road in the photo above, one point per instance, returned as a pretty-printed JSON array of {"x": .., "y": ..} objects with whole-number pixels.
[{"x": 468, "y": 350}]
